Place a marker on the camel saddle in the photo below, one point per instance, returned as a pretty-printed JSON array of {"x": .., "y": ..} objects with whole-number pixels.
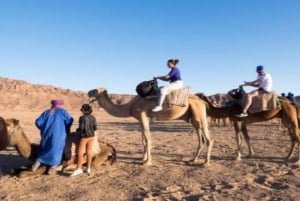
[
  {"x": 178, "y": 97},
  {"x": 264, "y": 102}
]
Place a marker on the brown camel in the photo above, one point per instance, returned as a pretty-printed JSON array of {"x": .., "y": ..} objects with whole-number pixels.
[
  {"x": 141, "y": 109},
  {"x": 287, "y": 113},
  {"x": 15, "y": 136}
]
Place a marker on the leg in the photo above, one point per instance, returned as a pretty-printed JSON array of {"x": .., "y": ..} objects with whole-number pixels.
[
  {"x": 237, "y": 128},
  {"x": 248, "y": 100},
  {"x": 201, "y": 139},
  {"x": 247, "y": 138},
  {"x": 199, "y": 121},
  {"x": 146, "y": 138},
  {"x": 81, "y": 150},
  {"x": 89, "y": 151},
  {"x": 80, "y": 159}
]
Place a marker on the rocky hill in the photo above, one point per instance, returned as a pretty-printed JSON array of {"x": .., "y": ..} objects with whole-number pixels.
[{"x": 21, "y": 95}]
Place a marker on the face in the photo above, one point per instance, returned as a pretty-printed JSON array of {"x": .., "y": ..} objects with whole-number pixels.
[
  {"x": 260, "y": 72},
  {"x": 170, "y": 65}
]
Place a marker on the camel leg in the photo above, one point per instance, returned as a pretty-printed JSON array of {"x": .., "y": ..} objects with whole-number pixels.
[
  {"x": 237, "y": 128},
  {"x": 247, "y": 138},
  {"x": 293, "y": 143},
  {"x": 147, "y": 141},
  {"x": 203, "y": 135},
  {"x": 209, "y": 144},
  {"x": 241, "y": 126},
  {"x": 201, "y": 140}
]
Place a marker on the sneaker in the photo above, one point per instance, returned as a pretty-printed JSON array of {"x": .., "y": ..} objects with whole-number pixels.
[
  {"x": 35, "y": 166},
  {"x": 76, "y": 172},
  {"x": 88, "y": 170},
  {"x": 242, "y": 115},
  {"x": 156, "y": 109}
]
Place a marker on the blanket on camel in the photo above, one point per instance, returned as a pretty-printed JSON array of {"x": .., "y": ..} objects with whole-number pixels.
[
  {"x": 264, "y": 102},
  {"x": 179, "y": 97}
]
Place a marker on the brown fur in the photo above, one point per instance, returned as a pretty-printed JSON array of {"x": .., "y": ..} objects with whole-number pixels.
[
  {"x": 27, "y": 150},
  {"x": 141, "y": 109},
  {"x": 287, "y": 113}
]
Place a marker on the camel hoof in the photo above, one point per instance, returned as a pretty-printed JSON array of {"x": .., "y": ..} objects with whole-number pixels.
[
  {"x": 206, "y": 164},
  {"x": 147, "y": 163},
  {"x": 238, "y": 158},
  {"x": 195, "y": 160}
]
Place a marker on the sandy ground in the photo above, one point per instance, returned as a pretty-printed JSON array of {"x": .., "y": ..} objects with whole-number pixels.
[{"x": 267, "y": 176}]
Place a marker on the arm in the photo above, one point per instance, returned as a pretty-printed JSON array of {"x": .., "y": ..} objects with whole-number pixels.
[
  {"x": 164, "y": 77},
  {"x": 254, "y": 83}
]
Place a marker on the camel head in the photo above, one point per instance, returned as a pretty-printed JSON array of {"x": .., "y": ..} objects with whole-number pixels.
[
  {"x": 94, "y": 93},
  {"x": 12, "y": 126},
  {"x": 3, "y": 134}
]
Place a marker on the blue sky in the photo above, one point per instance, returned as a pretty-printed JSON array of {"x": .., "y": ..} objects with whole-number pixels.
[{"x": 84, "y": 44}]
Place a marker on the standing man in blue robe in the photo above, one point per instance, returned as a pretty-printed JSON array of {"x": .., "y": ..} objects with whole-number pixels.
[{"x": 54, "y": 123}]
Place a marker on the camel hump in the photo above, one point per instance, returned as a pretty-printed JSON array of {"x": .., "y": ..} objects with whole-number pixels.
[{"x": 264, "y": 102}]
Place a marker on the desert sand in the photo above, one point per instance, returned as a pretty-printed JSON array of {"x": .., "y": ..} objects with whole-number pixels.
[{"x": 266, "y": 176}]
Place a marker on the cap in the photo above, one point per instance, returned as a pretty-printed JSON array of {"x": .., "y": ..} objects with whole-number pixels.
[{"x": 259, "y": 68}]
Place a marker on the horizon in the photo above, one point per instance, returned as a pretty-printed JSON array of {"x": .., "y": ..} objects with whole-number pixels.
[{"x": 82, "y": 45}]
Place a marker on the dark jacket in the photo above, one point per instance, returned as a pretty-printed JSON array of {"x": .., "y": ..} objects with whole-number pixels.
[{"x": 87, "y": 125}]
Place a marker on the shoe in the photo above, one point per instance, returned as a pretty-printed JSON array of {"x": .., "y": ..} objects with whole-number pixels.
[
  {"x": 88, "y": 170},
  {"x": 35, "y": 166},
  {"x": 242, "y": 115},
  {"x": 76, "y": 172},
  {"x": 157, "y": 109}
]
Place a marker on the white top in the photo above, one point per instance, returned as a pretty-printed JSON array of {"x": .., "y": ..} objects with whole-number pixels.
[{"x": 266, "y": 82}]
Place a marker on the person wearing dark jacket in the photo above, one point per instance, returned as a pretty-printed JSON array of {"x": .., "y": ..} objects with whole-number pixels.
[{"x": 87, "y": 128}]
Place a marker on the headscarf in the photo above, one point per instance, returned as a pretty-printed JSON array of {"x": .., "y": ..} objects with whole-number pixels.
[{"x": 56, "y": 103}]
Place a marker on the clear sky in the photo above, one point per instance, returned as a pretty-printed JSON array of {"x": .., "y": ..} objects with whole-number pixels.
[{"x": 85, "y": 44}]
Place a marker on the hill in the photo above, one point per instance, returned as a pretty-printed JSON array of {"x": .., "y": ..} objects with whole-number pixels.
[{"x": 22, "y": 95}]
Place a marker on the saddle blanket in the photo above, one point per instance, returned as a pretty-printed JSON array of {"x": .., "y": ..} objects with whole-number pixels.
[
  {"x": 179, "y": 97},
  {"x": 264, "y": 102}
]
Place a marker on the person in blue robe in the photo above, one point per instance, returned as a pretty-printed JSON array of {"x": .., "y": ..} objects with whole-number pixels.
[{"x": 54, "y": 123}]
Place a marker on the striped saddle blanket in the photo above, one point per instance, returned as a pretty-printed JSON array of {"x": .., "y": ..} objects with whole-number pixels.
[
  {"x": 264, "y": 102},
  {"x": 179, "y": 97}
]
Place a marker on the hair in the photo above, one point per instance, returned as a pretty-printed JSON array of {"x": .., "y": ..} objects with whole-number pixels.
[
  {"x": 86, "y": 109},
  {"x": 173, "y": 61}
]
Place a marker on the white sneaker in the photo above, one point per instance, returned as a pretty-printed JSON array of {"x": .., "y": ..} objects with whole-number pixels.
[
  {"x": 157, "y": 109},
  {"x": 242, "y": 115},
  {"x": 88, "y": 170},
  {"x": 35, "y": 166},
  {"x": 76, "y": 172}
]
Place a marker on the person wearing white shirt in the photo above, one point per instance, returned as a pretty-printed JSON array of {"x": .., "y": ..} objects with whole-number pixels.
[{"x": 263, "y": 83}]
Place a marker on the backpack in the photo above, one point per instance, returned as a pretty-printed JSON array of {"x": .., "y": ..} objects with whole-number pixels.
[{"x": 147, "y": 88}]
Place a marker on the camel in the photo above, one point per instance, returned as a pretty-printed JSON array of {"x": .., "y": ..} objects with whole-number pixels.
[
  {"x": 218, "y": 100},
  {"x": 287, "y": 113},
  {"x": 15, "y": 136},
  {"x": 141, "y": 109}
]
